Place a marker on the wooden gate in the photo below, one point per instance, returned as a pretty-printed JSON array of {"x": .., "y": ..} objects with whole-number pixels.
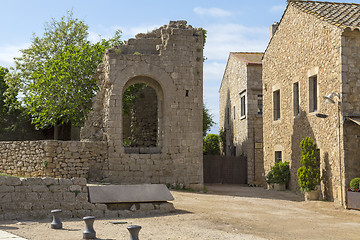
[{"x": 226, "y": 170}]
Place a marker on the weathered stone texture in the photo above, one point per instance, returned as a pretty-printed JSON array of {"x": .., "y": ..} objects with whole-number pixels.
[
  {"x": 304, "y": 46},
  {"x": 243, "y": 78}
]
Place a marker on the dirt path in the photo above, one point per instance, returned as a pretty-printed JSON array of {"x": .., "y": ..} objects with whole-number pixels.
[{"x": 225, "y": 212}]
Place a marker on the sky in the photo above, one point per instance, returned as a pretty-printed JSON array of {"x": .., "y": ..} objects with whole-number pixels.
[{"x": 232, "y": 26}]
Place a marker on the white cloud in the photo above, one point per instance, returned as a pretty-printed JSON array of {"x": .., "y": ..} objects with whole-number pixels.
[
  {"x": 225, "y": 38},
  {"x": 8, "y": 52},
  {"x": 212, "y": 12},
  {"x": 213, "y": 70},
  {"x": 277, "y": 8}
]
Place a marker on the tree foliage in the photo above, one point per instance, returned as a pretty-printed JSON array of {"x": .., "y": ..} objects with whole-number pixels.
[
  {"x": 309, "y": 172},
  {"x": 279, "y": 173},
  {"x": 211, "y": 145},
  {"x": 207, "y": 120},
  {"x": 3, "y": 87},
  {"x": 55, "y": 74}
]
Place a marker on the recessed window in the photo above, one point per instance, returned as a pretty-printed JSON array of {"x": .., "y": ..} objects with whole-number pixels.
[
  {"x": 228, "y": 115},
  {"x": 276, "y": 104},
  {"x": 260, "y": 104},
  {"x": 242, "y": 104},
  {"x": 313, "y": 101},
  {"x": 278, "y": 156},
  {"x": 234, "y": 112},
  {"x": 296, "y": 99}
]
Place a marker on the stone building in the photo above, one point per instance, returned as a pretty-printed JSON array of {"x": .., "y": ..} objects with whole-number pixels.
[
  {"x": 160, "y": 139},
  {"x": 314, "y": 52},
  {"x": 240, "y": 100}
]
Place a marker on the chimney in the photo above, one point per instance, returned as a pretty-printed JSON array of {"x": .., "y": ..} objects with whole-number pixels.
[{"x": 273, "y": 29}]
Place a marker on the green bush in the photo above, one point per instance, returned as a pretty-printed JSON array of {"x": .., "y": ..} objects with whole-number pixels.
[
  {"x": 279, "y": 173},
  {"x": 309, "y": 172},
  {"x": 355, "y": 184},
  {"x": 211, "y": 145}
]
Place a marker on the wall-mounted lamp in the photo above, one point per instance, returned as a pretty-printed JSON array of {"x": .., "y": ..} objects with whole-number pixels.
[{"x": 330, "y": 98}]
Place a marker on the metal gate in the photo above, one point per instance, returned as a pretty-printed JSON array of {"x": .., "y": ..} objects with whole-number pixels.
[{"x": 226, "y": 170}]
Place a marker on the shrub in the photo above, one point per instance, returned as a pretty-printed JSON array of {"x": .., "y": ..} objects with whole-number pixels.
[
  {"x": 279, "y": 173},
  {"x": 355, "y": 184},
  {"x": 309, "y": 172},
  {"x": 211, "y": 145}
]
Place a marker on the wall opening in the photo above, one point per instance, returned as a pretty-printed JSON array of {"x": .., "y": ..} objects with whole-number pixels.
[{"x": 141, "y": 116}]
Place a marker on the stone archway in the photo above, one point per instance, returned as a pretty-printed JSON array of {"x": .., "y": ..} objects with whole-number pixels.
[{"x": 142, "y": 112}]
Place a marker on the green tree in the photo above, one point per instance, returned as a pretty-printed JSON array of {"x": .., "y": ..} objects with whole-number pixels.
[
  {"x": 3, "y": 87},
  {"x": 55, "y": 74},
  {"x": 207, "y": 120},
  {"x": 211, "y": 145},
  {"x": 309, "y": 172}
]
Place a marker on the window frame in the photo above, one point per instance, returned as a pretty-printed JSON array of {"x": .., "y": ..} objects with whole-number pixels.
[{"x": 276, "y": 105}]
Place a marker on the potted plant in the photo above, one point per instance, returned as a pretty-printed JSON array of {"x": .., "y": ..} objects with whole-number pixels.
[
  {"x": 309, "y": 172},
  {"x": 353, "y": 194},
  {"x": 279, "y": 175}
]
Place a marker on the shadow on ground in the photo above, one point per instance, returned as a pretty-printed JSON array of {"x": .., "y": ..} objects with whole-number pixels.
[{"x": 252, "y": 192}]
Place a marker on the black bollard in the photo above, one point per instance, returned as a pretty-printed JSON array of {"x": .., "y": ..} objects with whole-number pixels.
[
  {"x": 56, "y": 222},
  {"x": 89, "y": 232},
  {"x": 134, "y": 231}
]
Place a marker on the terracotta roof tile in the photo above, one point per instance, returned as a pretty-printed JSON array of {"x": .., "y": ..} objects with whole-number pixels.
[{"x": 343, "y": 15}]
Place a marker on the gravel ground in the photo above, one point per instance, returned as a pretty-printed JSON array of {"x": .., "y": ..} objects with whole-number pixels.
[{"x": 224, "y": 212}]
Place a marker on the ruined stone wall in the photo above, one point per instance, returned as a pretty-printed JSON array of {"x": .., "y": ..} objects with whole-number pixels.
[
  {"x": 242, "y": 79},
  {"x": 170, "y": 60},
  {"x": 350, "y": 61},
  {"x": 303, "y": 46},
  {"x": 61, "y": 159}
]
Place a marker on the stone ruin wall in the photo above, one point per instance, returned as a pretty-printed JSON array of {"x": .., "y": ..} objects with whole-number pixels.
[
  {"x": 60, "y": 159},
  {"x": 34, "y": 198},
  {"x": 170, "y": 60}
]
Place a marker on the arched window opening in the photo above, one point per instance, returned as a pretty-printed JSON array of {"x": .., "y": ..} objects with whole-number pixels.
[{"x": 140, "y": 116}]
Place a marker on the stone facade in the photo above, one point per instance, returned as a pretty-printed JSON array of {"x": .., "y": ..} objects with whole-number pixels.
[
  {"x": 170, "y": 61},
  {"x": 34, "y": 198},
  {"x": 240, "y": 99},
  {"x": 60, "y": 159},
  {"x": 306, "y": 47}
]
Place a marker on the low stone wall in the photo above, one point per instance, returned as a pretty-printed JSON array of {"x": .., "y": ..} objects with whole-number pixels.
[
  {"x": 34, "y": 198},
  {"x": 49, "y": 158}
]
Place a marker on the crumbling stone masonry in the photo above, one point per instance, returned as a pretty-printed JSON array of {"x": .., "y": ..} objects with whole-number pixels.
[{"x": 170, "y": 61}]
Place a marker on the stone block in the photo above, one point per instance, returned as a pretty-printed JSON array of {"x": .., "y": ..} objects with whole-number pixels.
[
  {"x": 75, "y": 188},
  {"x": 79, "y": 181},
  {"x": 12, "y": 181},
  {"x": 129, "y": 193},
  {"x": 111, "y": 214},
  {"x": 17, "y": 196},
  {"x": 6, "y": 189},
  {"x": 81, "y": 213},
  {"x": 2, "y": 180},
  {"x": 32, "y": 196},
  {"x": 65, "y": 181},
  {"x": 32, "y": 181},
  {"x": 166, "y": 207},
  {"x": 81, "y": 197},
  {"x": 40, "y": 188},
  {"x": 50, "y": 181},
  {"x": 5, "y": 198},
  {"x": 69, "y": 197},
  {"x": 97, "y": 213},
  {"x": 146, "y": 207}
]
